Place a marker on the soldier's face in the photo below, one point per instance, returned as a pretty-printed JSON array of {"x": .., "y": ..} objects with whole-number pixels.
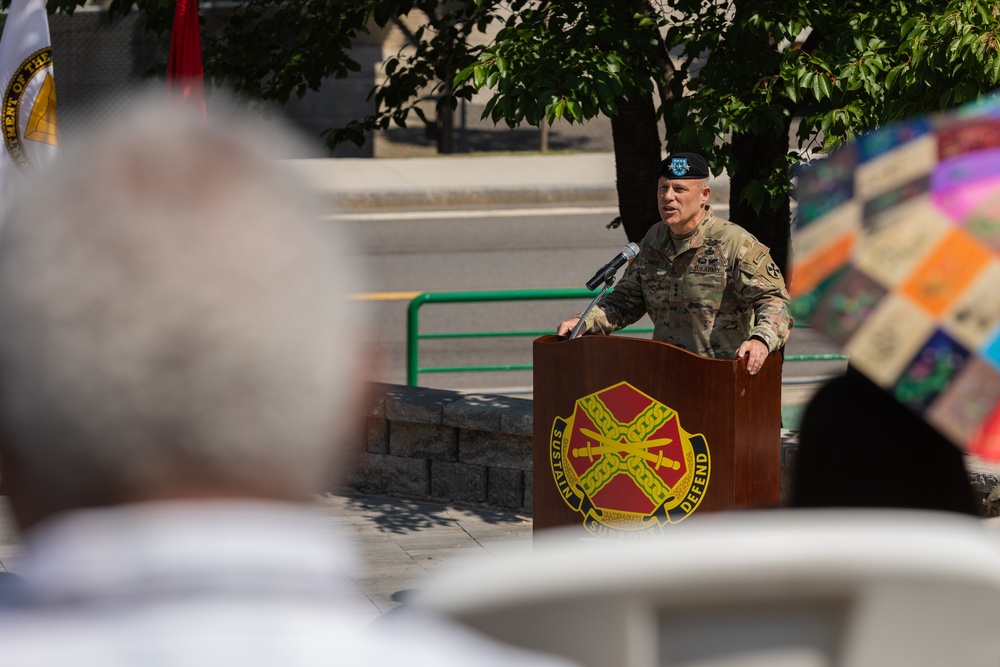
[{"x": 682, "y": 202}]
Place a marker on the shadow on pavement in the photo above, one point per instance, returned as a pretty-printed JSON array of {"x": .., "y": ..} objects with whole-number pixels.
[{"x": 406, "y": 516}]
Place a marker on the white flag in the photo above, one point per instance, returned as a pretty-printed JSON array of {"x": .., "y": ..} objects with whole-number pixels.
[{"x": 28, "y": 111}]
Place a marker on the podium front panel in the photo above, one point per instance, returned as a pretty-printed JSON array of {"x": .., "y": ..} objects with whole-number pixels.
[{"x": 632, "y": 435}]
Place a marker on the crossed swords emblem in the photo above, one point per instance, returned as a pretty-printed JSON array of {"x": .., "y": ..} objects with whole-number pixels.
[{"x": 631, "y": 438}]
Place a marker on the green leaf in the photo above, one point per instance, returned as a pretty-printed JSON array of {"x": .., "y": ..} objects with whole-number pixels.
[
  {"x": 792, "y": 91},
  {"x": 462, "y": 76},
  {"x": 908, "y": 26},
  {"x": 489, "y": 107},
  {"x": 604, "y": 92},
  {"x": 491, "y": 80},
  {"x": 890, "y": 79},
  {"x": 826, "y": 123},
  {"x": 479, "y": 76},
  {"x": 822, "y": 87},
  {"x": 994, "y": 69},
  {"x": 574, "y": 110},
  {"x": 754, "y": 195}
]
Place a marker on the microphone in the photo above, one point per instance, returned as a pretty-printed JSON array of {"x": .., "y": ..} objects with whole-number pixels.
[{"x": 627, "y": 254}]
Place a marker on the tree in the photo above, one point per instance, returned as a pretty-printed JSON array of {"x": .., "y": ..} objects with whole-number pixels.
[
  {"x": 739, "y": 74},
  {"x": 860, "y": 65},
  {"x": 577, "y": 60}
]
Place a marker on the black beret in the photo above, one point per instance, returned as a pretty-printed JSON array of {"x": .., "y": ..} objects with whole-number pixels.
[{"x": 684, "y": 166}]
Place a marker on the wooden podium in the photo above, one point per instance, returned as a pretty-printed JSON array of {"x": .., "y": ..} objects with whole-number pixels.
[{"x": 631, "y": 435}]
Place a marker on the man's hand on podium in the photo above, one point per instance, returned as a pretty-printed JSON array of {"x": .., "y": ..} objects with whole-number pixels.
[
  {"x": 756, "y": 353},
  {"x": 566, "y": 327}
]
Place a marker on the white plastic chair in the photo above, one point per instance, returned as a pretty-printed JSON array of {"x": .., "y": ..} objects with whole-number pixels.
[{"x": 777, "y": 588}]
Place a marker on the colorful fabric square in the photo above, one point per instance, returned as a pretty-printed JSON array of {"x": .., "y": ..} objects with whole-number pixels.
[
  {"x": 984, "y": 222},
  {"x": 889, "y": 138},
  {"x": 899, "y": 239},
  {"x": 826, "y": 185},
  {"x": 849, "y": 301},
  {"x": 942, "y": 276},
  {"x": 891, "y": 336},
  {"x": 962, "y": 183},
  {"x": 990, "y": 351},
  {"x": 895, "y": 168},
  {"x": 976, "y": 313},
  {"x": 968, "y": 136},
  {"x": 930, "y": 372},
  {"x": 803, "y": 307},
  {"x": 823, "y": 247},
  {"x": 985, "y": 442},
  {"x": 905, "y": 192},
  {"x": 962, "y": 408}
]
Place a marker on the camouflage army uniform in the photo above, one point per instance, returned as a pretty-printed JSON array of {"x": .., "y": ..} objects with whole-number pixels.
[{"x": 706, "y": 292}]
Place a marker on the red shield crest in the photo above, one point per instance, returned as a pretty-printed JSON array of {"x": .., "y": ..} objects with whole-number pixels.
[{"x": 623, "y": 460}]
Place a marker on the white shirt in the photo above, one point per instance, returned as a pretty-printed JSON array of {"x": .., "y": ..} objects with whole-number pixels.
[{"x": 211, "y": 583}]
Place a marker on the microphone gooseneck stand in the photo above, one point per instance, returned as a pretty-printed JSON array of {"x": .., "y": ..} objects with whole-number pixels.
[{"x": 578, "y": 329}]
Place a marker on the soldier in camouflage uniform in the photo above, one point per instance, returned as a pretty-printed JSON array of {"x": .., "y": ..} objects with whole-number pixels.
[{"x": 708, "y": 285}]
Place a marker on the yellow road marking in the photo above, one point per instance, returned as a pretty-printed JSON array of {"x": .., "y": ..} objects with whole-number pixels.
[
  {"x": 407, "y": 296},
  {"x": 386, "y": 296}
]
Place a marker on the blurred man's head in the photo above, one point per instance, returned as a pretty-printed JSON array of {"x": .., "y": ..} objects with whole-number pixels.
[{"x": 174, "y": 324}]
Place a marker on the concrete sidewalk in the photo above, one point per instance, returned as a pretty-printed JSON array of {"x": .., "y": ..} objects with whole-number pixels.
[
  {"x": 404, "y": 543},
  {"x": 582, "y": 179}
]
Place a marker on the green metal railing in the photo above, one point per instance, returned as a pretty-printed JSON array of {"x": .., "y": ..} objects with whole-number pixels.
[{"x": 413, "y": 335}]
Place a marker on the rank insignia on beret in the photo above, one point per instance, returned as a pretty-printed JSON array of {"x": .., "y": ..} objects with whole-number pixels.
[{"x": 679, "y": 166}]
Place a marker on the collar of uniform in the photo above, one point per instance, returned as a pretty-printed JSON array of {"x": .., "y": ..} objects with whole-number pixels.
[{"x": 693, "y": 239}]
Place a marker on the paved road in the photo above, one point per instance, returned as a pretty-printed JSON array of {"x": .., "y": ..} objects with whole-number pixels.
[{"x": 490, "y": 249}]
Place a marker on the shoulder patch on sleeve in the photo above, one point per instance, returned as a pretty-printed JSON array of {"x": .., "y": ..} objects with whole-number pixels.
[{"x": 754, "y": 254}]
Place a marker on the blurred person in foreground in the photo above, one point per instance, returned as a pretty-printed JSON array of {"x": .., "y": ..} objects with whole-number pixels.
[
  {"x": 179, "y": 370},
  {"x": 860, "y": 447}
]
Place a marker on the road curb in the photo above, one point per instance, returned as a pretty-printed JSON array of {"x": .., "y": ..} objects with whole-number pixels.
[{"x": 433, "y": 198}]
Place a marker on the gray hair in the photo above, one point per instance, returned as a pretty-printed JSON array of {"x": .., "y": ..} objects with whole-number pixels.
[{"x": 171, "y": 304}]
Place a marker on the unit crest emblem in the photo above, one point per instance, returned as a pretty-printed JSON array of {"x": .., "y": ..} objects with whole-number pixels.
[{"x": 623, "y": 461}]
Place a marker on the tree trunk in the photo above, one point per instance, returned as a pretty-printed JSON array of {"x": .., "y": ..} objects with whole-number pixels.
[
  {"x": 637, "y": 160},
  {"x": 445, "y": 129},
  {"x": 753, "y": 158}
]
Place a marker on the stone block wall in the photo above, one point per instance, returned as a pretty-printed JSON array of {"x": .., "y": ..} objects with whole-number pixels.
[{"x": 441, "y": 445}]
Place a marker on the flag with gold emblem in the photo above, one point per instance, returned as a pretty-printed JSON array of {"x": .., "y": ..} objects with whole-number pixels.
[{"x": 30, "y": 130}]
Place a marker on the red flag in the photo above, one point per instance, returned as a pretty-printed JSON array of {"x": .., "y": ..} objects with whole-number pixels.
[{"x": 185, "y": 74}]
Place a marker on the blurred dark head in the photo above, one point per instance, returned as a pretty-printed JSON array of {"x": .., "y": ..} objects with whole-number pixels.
[{"x": 859, "y": 447}]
